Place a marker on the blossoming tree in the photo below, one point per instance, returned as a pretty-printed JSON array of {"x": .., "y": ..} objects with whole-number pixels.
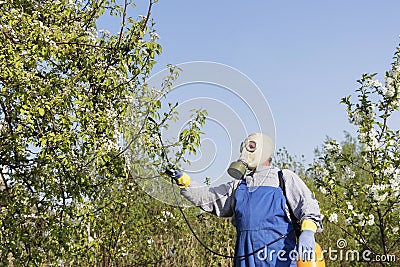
[
  {"x": 360, "y": 176},
  {"x": 67, "y": 92}
]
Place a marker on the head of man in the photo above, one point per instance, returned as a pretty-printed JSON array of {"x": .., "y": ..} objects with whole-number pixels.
[{"x": 255, "y": 150}]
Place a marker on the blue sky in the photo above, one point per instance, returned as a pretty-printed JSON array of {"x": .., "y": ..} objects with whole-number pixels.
[{"x": 303, "y": 55}]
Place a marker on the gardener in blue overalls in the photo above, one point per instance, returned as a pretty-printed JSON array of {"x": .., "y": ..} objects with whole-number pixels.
[{"x": 258, "y": 207}]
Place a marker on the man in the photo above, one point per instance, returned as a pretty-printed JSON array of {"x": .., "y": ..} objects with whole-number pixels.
[{"x": 258, "y": 207}]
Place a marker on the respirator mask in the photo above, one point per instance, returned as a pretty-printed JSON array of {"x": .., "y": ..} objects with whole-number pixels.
[{"x": 254, "y": 150}]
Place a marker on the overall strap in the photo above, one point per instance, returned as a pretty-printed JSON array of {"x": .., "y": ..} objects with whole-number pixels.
[{"x": 295, "y": 221}]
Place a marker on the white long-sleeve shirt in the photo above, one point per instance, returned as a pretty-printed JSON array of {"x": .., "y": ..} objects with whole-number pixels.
[{"x": 220, "y": 200}]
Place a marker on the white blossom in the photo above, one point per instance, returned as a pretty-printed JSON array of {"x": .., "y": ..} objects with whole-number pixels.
[
  {"x": 349, "y": 173},
  {"x": 105, "y": 32},
  {"x": 381, "y": 198},
  {"x": 389, "y": 92},
  {"x": 52, "y": 43},
  {"x": 349, "y": 221},
  {"x": 371, "y": 220},
  {"x": 376, "y": 187},
  {"x": 376, "y": 192},
  {"x": 349, "y": 205},
  {"x": 166, "y": 215},
  {"x": 395, "y": 229},
  {"x": 355, "y": 117},
  {"x": 325, "y": 173},
  {"x": 150, "y": 241},
  {"x": 374, "y": 83},
  {"x": 371, "y": 111},
  {"x": 10, "y": 259},
  {"x": 332, "y": 147},
  {"x": 332, "y": 166},
  {"x": 195, "y": 124},
  {"x": 389, "y": 83},
  {"x": 154, "y": 36},
  {"x": 389, "y": 171},
  {"x": 355, "y": 192},
  {"x": 323, "y": 190},
  {"x": 394, "y": 183},
  {"x": 369, "y": 140},
  {"x": 333, "y": 218}
]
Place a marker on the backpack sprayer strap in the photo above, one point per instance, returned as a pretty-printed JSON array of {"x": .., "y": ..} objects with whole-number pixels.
[{"x": 295, "y": 221}]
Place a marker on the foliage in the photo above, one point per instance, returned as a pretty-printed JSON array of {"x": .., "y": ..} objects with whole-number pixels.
[
  {"x": 284, "y": 160},
  {"x": 73, "y": 101},
  {"x": 360, "y": 177}
]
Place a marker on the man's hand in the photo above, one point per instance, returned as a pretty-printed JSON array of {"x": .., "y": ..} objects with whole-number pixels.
[
  {"x": 181, "y": 178},
  {"x": 306, "y": 245}
]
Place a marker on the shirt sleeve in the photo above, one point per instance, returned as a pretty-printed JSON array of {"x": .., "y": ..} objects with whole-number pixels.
[
  {"x": 301, "y": 199},
  {"x": 217, "y": 200}
]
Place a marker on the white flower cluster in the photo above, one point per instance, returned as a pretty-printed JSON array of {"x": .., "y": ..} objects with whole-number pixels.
[
  {"x": 371, "y": 220},
  {"x": 325, "y": 173},
  {"x": 395, "y": 186},
  {"x": 154, "y": 36},
  {"x": 355, "y": 117},
  {"x": 359, "y": 216},
  {"x": 376, "y": 191},
  {"x": 348, "y": 173},
  {"x": 323, "y": 190},
  {"x": 194, "y": 124},
  {"x": 166, "y": 215},
  {"x": 349, "y": 205},
  {"x": 332, "y": 147},
  {"x": 391, "y": 89},
  {"x": 371, "y": 114},
  {"x": 373, "y": 83},
  {"x": 394, "y": 181},
  {"x": 391, "y": 171},
  {"x": 362, "y": 219},
  {"x": 389, "y": 92},
  {"x": 92, "y": 34},
  {"x": 369, "y": 140},
  {"x": 6, "y": 27},
  {"x": 110, "y": 145},
  {"x": 105, "y": 32},
  {"x": 333, "y": 218}
]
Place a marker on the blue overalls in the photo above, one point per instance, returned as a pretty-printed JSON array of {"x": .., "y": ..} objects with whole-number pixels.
[{"x": 261, "y": 218}]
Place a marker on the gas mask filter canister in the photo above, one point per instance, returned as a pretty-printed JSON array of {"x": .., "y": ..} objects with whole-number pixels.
[{"x": 254, "y": 150}]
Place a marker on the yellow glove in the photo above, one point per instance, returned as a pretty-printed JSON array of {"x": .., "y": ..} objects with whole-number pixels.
[
  {"x": 182, "y": 179},
  {"x": 309, "y": 225}
]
